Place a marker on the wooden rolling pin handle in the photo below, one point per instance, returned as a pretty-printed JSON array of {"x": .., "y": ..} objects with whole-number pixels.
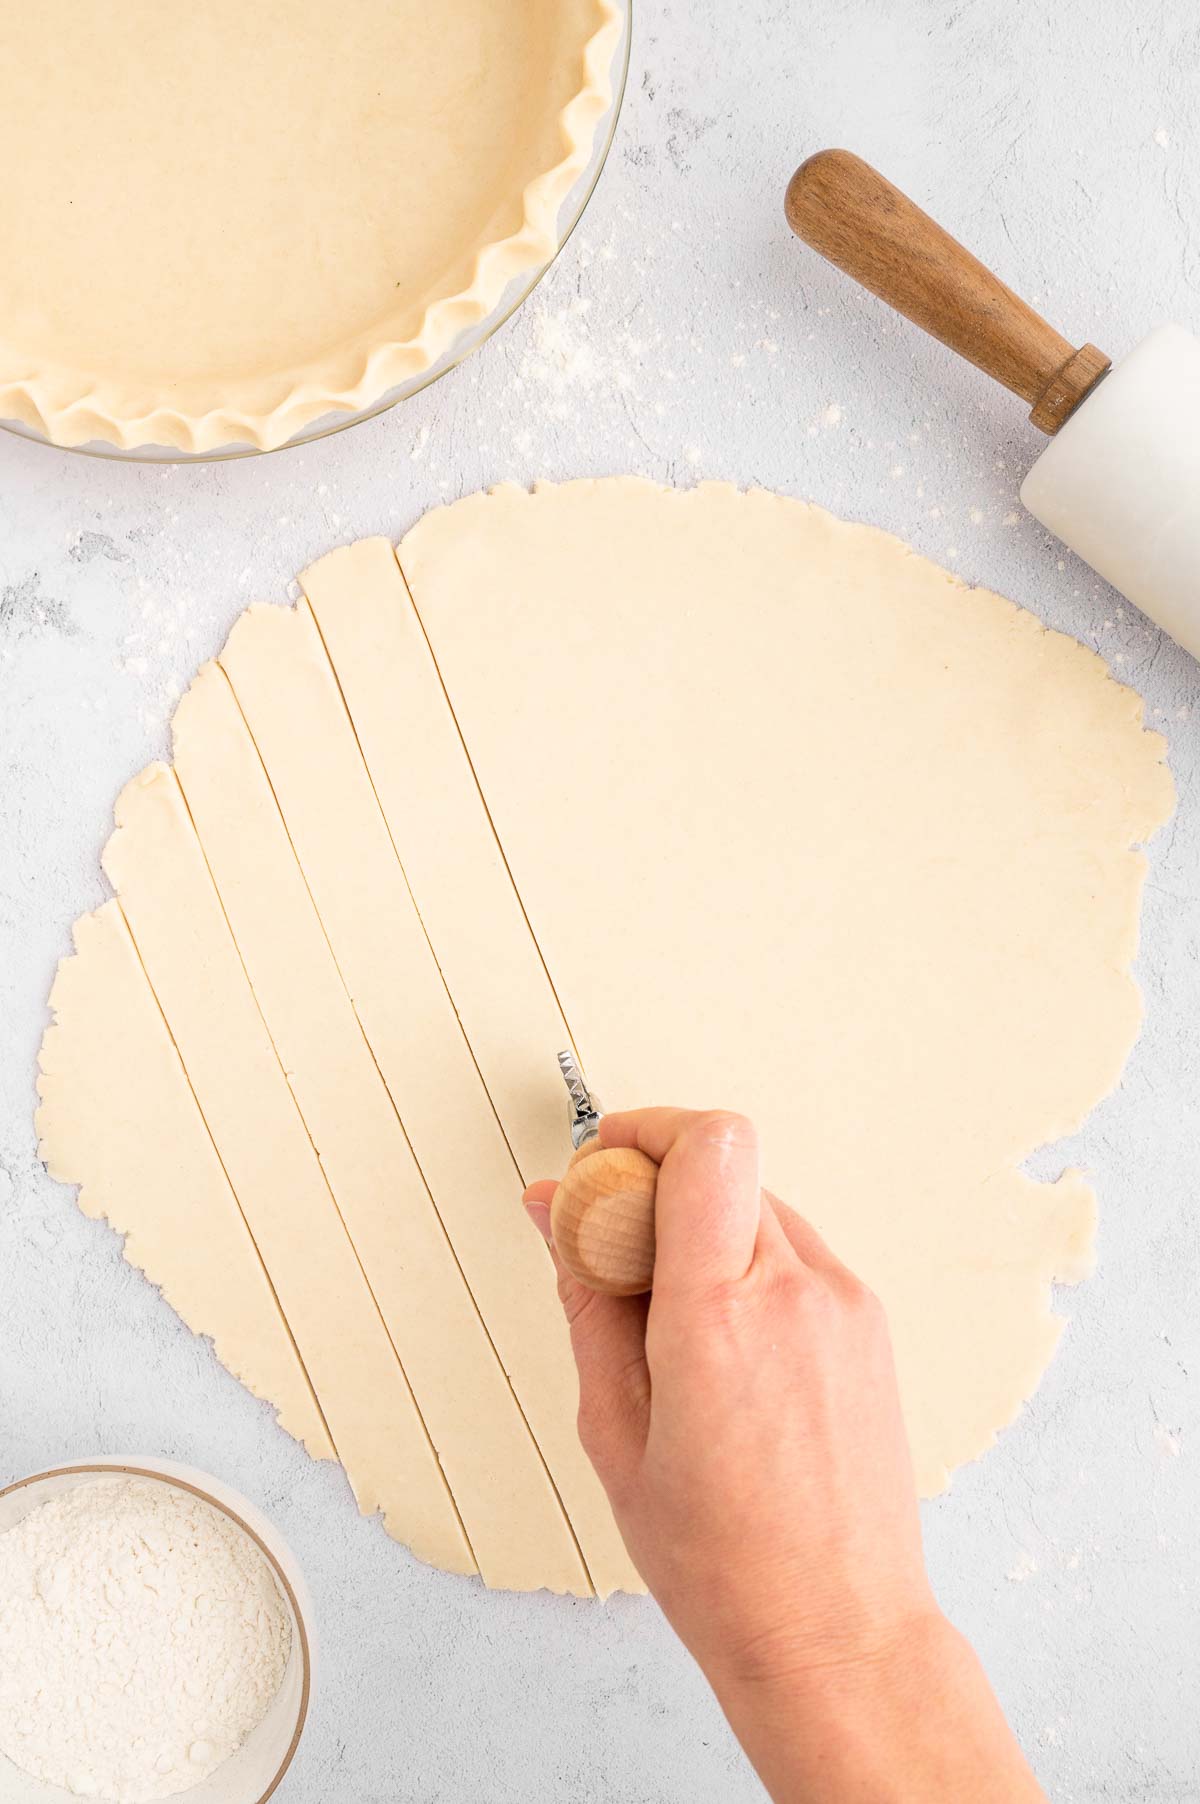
[
  {"x": 602, "y": 1219},
  {"x": 854, "y": 217}
]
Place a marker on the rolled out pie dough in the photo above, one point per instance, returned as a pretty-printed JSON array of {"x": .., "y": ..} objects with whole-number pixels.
[
  {"x": 220, "y": 221},
  {"x": 756, "y": 807}
]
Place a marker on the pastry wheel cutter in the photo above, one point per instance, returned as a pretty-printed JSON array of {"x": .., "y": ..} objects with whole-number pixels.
[{"x": 602, "y": 1215}]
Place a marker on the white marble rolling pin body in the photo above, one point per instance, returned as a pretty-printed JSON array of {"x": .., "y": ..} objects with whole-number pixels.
[{"x": 1120, "y": 481}]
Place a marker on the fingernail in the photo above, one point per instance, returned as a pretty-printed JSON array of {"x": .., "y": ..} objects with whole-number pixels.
[{"x": 539, "y": 1215}]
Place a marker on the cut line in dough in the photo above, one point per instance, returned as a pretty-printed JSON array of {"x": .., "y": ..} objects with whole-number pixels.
[
  {"x": 108, "y": 1065},
  {"x": 279, "y": 671},
  {"x": 774, "y": 813},
  {"x": 910, "y": 812},
  {"x": 489, "y": 1458},
  {"x": 472, "y": 913},
  {"x": 156, "y": 864}
]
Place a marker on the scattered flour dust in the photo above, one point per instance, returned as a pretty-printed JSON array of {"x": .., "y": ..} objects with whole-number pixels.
[{"x": 142, "y": 1638}]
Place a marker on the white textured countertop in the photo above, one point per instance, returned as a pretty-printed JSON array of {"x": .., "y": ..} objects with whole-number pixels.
[{"x": 683, "y": 333}]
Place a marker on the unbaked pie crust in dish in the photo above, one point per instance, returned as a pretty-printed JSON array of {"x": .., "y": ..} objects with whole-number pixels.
[
  {"x": 221, "y": 223},
  {"x": 754, "y": 807}
]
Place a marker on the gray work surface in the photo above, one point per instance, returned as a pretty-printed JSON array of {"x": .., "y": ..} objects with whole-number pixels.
[{"x": 683, "y": 334}]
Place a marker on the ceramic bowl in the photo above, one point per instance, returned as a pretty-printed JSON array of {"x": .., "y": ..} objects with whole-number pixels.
[{"x": 253, "y": 1773}]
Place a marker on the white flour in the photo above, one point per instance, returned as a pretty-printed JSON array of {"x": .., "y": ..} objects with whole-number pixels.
[{"x": 142, "y": 1638}]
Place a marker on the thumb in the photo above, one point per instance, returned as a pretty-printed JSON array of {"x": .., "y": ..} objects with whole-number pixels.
[{"x": 608, "y": 1339}]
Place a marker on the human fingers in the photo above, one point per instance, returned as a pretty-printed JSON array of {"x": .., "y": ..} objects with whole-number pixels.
[
  {"x": 608, "y": 1339},
  {"x": 653, "y": 1131},
  {"x": 797, "y": 1233},
  {"x": 708, "y": 1205},
  {"x": 804, "y": 1240}
]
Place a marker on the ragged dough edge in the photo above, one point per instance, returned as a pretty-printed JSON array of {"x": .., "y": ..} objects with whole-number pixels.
[
  {"x": 1074, "y": 1259},
  {"x": 300, "y": 619},
  {"x": 1069, "y": 1255},
  {"x": 422, "y": 1539},
  {"x": 209, "y": 730},
  {"x": 325, "y": 386},
  {"x": 484, "y": 502},
  {"x": 1068, "y": 1258},
  {"x": 357, "y": 610},
  {"x": 67, "y": 1169},
  {"x": 65, "y": 1163},
  {"x": 1127, "y": 705}
]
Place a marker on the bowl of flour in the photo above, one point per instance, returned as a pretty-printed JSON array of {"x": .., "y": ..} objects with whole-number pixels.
[{"x": 154, "y": 1639}]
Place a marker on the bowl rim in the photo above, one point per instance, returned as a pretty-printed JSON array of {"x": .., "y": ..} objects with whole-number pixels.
[{"x": 102, "y": 1468}]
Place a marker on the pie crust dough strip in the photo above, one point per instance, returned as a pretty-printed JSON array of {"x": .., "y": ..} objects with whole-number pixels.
[
  {"x": 909, "y": 1007},
  {"x": 281, "y": 675},
  {"x": 450, "y": 854},
  {"x": 509, "y": 1507},
  {"x": 155, "y": 863},
  {"x": 118, "y": 1118}
]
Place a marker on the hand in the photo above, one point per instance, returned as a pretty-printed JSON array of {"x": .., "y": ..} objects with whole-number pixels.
[
  {"x": 745, "y": 1422},
  {"x": 746, "y": 1425}
]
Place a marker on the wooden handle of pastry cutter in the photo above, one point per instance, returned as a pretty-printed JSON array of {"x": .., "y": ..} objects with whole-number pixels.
[
  {"x": 602, "y": 1219},
  {"x": 854, "y": 217}
]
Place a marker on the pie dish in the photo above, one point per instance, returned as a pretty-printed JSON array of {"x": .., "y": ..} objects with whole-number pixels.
[{"x": 236, "y": 223}]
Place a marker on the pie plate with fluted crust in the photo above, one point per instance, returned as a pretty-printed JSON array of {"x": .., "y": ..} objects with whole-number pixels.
[{"x": 220, "y": 224}]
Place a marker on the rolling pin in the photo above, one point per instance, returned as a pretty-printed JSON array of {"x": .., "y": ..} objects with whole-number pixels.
[
  {"x": 1120, "y": 480},
  {"x": 602, "y": 1214}
]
